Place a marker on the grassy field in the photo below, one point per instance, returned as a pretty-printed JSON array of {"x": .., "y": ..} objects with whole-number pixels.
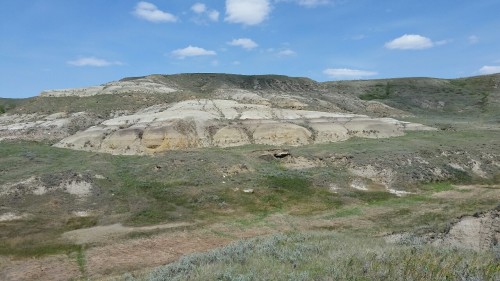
[
  {"x": 316, "y": 224},
  {"x": 329, "y": 256},
  {"x": 199, "y": 185}
]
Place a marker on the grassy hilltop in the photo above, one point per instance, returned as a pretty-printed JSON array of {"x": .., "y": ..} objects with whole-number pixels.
[{"x": 475, "y": 97}]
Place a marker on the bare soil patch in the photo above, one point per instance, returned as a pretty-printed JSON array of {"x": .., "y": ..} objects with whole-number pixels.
[
  {"x": 52, "y": 268},
  {"x": 147, "y": 252}
]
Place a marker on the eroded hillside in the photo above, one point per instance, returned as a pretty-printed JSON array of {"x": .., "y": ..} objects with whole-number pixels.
[
  {"x": 135, "y": 173},
  {"x": 157, "y": 113}
]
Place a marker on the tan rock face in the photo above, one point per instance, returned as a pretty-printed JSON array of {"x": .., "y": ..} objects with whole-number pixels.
[
  {"x": 226, "y": 123},
  {"x": 169, "y": 136},
  {"x": 281, "y": 134},
  {"x": 231, "y": 136},
  {"x": 122, "y": 140},
  {"x": 330, "y": 132},
  {"x": 374, "y": 128}
]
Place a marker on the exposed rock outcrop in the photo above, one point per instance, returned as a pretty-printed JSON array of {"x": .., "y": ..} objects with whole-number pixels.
[
  {"x": 143, "y": 86},
  {"x": 478, "y": 232},
  {"x": 45, "y": 127},
  {"x": 165, "y": 112},
  {"x": 225, "y": 123}
]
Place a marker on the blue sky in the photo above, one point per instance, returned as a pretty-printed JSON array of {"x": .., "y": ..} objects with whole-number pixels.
[{"x": 51, "y": 44}]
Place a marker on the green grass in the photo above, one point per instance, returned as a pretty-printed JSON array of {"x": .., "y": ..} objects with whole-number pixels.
[
  {"x": 379, "y": 92},
  {"x": 371, "y": 197},
  {"x": 7, "y": 105},
  {"x": 329, "y": 256},
  {"x": 294, "y": 191},
  {"x": 33, "y": 248},
  {"x": 438, "y": 186},
  {"x": 346, "y": 212},
  {"x": 468, "y": 99},
  {"x": 193, "y": 186},
  {"x": 81, "y": 260},
  {"x": 394, "y": 201},
  {"x": 190, "y": 186},
  {"x": 253, "y": 220},
  {"x": 290, "y": 183},
  {"x": 80, "y": 222}
]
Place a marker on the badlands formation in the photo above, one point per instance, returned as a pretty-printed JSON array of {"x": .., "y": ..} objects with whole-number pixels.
[
  {"x": 206, "y": 112},
  {"x": 225, "y": 123},
  {"x": 95, "y": 216}
]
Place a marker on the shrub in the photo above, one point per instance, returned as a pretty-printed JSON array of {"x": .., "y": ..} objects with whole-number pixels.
[{"x": 331, "y": 256}]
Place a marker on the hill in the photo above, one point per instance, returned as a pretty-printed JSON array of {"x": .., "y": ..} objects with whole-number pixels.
[
  {"x": 129, "y": 175},
  {"x": 474, "y": 97}
]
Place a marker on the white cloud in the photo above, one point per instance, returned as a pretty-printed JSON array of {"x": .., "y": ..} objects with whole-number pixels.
[
  {"x": 202, "y": 10},
  {"x": 192, "y": 51},
  {"x": 410, "y": 42},
  {"x": 245, "y": 43},
  {"x": 346, "y": 73},
  {"x": 473, "y": 39},
  {"x": 287, "y": 53},
  {"x": 489, "y": 69},
  {"x": 150, "y": 12},
  {"x": 442, "y": 42},
  {"x": 199, "y": 8},
  {"x": 247, "y": 12},
  {"x": 213, "y": 15},
  {"x": 93, "y": 61},
  {"x": 312, "y": 3}
]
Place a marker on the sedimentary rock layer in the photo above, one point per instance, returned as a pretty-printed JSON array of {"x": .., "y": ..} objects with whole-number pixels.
[{"x": 226, "y": 123}]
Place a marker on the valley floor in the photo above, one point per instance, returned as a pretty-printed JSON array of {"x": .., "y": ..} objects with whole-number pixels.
[
  {"x": 350, "y": 210},
  {"x": 136, "y": 251}
]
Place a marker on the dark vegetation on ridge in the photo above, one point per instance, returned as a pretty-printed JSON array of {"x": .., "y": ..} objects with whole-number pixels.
[{"x": 476, "y": 97}]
